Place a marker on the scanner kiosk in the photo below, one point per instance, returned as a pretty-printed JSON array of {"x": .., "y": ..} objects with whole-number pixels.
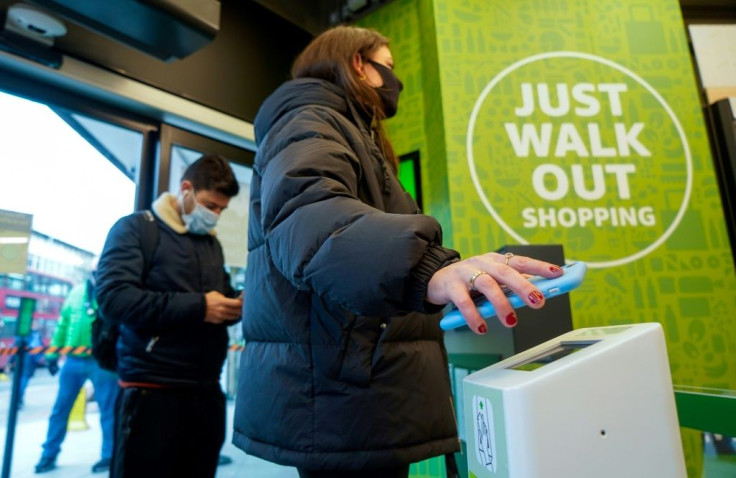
[{"x": 595, "y": 402}]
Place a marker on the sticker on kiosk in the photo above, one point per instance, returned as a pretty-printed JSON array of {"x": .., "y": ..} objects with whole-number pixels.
[{"x": 485, "y": 438}]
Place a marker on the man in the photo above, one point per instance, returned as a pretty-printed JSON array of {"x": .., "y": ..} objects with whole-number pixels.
[
  {"x": 73, "y": 330},
  {"x": 173, "y": 314}
]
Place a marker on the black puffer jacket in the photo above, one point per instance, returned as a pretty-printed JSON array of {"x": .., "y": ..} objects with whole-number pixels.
[
  {"x": 341, "y": 370},
  {"x": 163, "y": 336}
]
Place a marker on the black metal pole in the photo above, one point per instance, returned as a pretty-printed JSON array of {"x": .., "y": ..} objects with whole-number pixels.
[{"x": 13, "y": 412}]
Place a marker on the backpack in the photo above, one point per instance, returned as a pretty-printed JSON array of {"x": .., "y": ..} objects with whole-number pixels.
[{"x": 105, "y": 332}]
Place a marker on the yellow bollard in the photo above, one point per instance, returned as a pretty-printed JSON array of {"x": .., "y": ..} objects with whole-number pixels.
[{"x": 77, "y": 421}]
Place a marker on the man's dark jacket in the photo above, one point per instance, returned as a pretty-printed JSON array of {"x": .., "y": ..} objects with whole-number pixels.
[
  {"x": 161, "y": 308},
  {"x": 341, "y": 369}
]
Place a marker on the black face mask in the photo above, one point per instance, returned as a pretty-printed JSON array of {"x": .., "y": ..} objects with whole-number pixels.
[{"x": 389, "y": 92}]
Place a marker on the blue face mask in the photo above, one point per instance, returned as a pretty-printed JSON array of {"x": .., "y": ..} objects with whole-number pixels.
[{"x": 201, "y": 220}]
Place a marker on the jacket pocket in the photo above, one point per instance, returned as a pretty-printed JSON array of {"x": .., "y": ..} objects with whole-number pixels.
[{"x": 356, "y": 364}]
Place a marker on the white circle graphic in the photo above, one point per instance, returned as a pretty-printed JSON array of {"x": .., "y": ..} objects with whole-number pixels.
[{"x": 585, "y": 56}]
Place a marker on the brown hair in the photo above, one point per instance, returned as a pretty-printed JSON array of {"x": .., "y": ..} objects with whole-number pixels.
[
  {"x": 212, "y": 173},
  {"x": 330, "y": 57}
]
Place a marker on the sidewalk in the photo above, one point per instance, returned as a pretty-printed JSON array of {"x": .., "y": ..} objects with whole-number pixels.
[{"x": 81, "y": 449}]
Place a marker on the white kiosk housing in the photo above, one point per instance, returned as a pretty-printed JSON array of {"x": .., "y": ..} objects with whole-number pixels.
[{"x": 594, "y": 402}]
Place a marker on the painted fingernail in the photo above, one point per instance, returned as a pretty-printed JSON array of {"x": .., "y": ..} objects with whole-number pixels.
[
  {"x": 555, "y": 269},
  {"x": 536, "y": 297},
  {"x": 511, "y": 319},
  {"x": 482, "y": 329}
]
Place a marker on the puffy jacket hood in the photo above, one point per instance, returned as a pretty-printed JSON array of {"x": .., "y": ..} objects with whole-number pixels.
[{"x": 295, "y": 94}]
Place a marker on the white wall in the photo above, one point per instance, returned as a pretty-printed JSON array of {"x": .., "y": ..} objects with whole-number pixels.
[{"x": 715, "y": 54}]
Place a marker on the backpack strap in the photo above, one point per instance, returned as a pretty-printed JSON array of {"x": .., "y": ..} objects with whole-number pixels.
[
  {"x": 89, "y": 294},
  {"x": 148, "y": 237}
]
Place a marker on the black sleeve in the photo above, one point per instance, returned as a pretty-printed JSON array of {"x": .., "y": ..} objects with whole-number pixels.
[
  {"x": 324, "y": 239},
  {"x": 434, "y": 259},
  {"x": 123, "y": 297}
]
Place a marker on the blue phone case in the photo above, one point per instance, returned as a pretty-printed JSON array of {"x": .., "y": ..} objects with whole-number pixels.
[{"x": 573, "y": 276}]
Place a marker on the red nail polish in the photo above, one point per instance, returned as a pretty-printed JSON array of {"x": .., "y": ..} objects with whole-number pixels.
[
  {"x": 482, "y": 329},
  {"x": 511, "y": 319},
  {"x": 555, "y": 269},
  {"x": 536, "y": 297}
]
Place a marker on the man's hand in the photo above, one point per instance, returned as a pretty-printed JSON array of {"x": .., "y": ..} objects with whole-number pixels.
[
  {"x": 221, "y": 308},
  {"x": 53, "y": 366}
]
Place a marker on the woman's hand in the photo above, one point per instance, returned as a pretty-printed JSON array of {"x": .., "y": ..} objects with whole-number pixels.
[{"x": 486, "y": 274}]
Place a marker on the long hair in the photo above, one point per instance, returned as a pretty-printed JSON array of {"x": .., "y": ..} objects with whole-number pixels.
[{"x": 329, "y": 57}]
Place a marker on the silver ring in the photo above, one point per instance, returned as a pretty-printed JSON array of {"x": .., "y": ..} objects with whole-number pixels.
[
  {"x": 475, "y": 276},
  {"x": 508, "y": 256}
]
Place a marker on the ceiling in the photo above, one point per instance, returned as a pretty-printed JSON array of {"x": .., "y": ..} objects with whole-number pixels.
[
  {"x": 314, "y": 16},
  {"x": 245, "y": 39}
]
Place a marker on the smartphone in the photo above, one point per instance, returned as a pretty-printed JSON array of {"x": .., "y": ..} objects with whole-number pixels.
[{"x": 571, "y": 278}]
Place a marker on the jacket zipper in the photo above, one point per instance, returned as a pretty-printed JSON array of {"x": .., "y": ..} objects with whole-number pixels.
[
  {"x": 454, "y": 417},
  {"x": 151, "y": 343}
]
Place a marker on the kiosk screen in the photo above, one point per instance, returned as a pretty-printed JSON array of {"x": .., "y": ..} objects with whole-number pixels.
[{"x": 555, "y": 353}]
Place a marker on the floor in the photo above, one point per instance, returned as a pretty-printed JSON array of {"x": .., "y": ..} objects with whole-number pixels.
[{"x": 81, "y": 448}]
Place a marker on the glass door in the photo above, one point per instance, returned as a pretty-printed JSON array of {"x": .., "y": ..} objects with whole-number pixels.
[
  {"x": 179, "y": 148},
  {"x": 73, "y": 173}
]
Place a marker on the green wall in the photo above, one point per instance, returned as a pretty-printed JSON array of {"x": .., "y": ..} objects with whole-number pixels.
[
  {"x": 687, "y": 282},
  {"x": 666, "y": 258},
  {"x": 418, "y": 126}
]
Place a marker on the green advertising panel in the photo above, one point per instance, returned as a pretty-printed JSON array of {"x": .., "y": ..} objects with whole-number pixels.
[
  {"x": 576, "y": 123},
  {"x": 571, "y": 159},
  {"x": 579, "y": 123}
]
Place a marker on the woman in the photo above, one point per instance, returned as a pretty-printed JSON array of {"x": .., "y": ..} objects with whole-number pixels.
[{"x": 344, "y": 371}]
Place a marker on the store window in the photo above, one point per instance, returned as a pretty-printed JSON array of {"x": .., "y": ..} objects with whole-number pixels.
[
  {"x": 179, "y": 148},
  {"x": 233, "y": 223},
  {"x": 75, "y": 174}
]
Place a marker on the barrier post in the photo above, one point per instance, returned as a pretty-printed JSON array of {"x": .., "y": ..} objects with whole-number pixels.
[{"x": 22, "y": 331}]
